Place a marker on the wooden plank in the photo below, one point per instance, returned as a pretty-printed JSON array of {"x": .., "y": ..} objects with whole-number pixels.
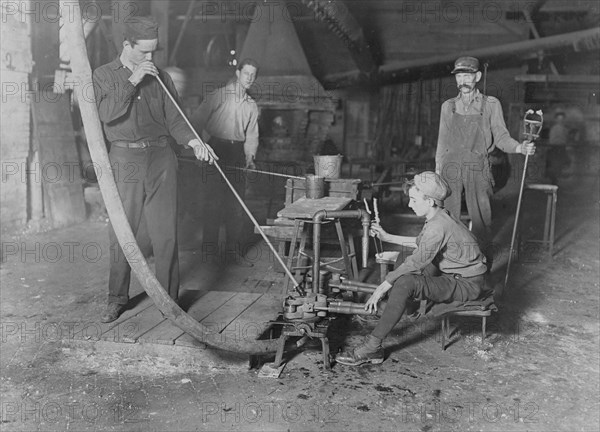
[
  {"x": 143, "y": 323},
  {"x": 14, "y": 191},
  {"x": 16, "y": 113},
  {"x": 269, "y": 286},
  {"x": 164, "y": 333},
  {"x": 121, "y": 329},
  {"x": 285, "y": 232},
  {"x": 200, "y": 310},
  {"x": 220, "y": 318},
  {"x": 115, "y": 330},
  {"x": 253, "y": 285},
  {"x": 59, "y": 158},
  {"x": 208, "y": 303},
  {"x": 253, "y": 321}
]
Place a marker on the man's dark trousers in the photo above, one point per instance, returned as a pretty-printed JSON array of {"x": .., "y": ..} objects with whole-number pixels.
[
  {"x": 224, "y": 207},
  {"x": 147, "y": 183}
]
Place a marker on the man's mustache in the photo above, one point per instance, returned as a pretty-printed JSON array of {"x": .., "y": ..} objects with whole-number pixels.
[{"x": 464, "y": 85}]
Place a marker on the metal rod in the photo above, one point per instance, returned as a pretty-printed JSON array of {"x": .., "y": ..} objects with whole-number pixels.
[
  {"x": 240, "y": 200},
  {"x": 266, "y": 172},
  {"x": 399, "y": 182},
  {"x": 248, "y": 169},
  {"x": 514, "y": 233},
  {"x": 531, "y": 128}
]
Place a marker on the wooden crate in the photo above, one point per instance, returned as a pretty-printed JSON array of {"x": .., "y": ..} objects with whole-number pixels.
[{"x": 350, "y": 188}]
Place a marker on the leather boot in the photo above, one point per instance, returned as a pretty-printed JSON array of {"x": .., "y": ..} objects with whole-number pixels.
[
  {"x": 370, "y": 351},
  {"x": 112, "y": 312}
]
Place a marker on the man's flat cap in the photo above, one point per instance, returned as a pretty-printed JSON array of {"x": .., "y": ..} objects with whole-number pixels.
[
  {"x": 432, "y": 185},
  {"x": 466, "y": 64},
  {"x": 141, "y": 28}
]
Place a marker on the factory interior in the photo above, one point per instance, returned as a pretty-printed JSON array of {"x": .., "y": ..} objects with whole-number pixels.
[{"x": 277, "y": 256}]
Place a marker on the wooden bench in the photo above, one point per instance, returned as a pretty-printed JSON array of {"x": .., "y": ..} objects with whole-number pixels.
[
  {"x": 484, "y": 314},
  {"x": 477, "y": 308}
]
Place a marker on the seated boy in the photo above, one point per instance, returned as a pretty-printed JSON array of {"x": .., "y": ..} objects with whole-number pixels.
[{"x": 444, "y": 243}]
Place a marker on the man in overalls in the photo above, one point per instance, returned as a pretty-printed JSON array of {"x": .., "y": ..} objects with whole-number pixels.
[{"x": 471, "y": 127}]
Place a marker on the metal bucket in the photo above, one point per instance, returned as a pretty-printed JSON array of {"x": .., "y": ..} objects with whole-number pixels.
[
  {"x": 315, "y": 186},
  {"x": 328, "y": 166}
]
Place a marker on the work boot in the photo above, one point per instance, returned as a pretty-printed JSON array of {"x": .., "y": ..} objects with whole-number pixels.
[
  {"x": 370, "y": 351},
  {"x": 112, "y": 312}
]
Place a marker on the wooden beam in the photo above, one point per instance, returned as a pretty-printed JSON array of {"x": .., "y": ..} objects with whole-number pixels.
[
  {"x": 404, "y": 71},
  {"x": 574, "y": 79}
]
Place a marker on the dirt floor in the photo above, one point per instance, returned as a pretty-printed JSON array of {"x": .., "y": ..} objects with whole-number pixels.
[{"x": 538, "y": 369}]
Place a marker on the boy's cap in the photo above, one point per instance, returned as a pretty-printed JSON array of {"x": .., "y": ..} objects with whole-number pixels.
[
  {"x": 432, "y": 185},
  {"x": 141, "y": 28},
  {"x": 466, "y": 64}
]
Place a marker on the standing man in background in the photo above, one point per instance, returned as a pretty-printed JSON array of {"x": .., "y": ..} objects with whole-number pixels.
[
  {"x": 229, "y": 119},
  {"x": 138, "y": 119},
  {"x": 556, "y": 157},
  {"x": 471, "y": 127}
]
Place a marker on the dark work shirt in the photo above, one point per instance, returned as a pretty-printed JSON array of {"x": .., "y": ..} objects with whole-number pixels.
[
  {"x": 131, "y": 113},
  {"x": 448, "y": 244}
]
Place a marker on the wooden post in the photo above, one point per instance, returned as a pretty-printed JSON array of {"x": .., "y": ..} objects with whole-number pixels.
[{"x": 82, "y": 76}]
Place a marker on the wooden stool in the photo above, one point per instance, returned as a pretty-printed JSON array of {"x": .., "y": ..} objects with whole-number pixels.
[
  {"x": 471, "y": 313},
  {"x": 551, "y": 192},
  {"x": 299, "y": 240}
]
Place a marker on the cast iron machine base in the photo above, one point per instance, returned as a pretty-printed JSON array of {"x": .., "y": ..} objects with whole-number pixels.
[
  {"x": 308, "y": 315},
  {"x": 305, "y": 330}
]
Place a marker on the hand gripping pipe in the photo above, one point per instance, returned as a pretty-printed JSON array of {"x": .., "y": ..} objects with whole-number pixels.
[{"x": 318, "y": 218}]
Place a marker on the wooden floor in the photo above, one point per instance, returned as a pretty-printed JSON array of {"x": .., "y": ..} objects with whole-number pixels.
[{"x": 243, "y": 311}]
